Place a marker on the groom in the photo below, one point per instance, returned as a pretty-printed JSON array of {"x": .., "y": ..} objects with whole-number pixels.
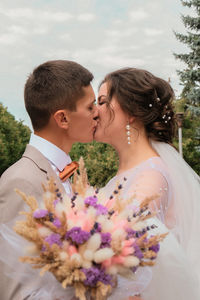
[{"x": 60, "y": 102}]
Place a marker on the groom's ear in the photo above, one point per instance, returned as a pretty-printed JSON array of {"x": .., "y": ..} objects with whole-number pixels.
[{"x": 61, "y": 118}]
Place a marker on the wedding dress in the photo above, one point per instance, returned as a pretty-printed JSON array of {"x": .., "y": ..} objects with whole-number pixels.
[{"x": 176, "y": 189}]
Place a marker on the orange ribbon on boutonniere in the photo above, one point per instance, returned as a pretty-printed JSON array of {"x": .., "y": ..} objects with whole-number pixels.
[{"x": 68, "y": 170}]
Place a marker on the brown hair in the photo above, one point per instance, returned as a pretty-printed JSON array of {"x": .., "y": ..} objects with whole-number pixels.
[
  {"x": 146, "y": 97},
  {"x": 54, "y": 85}
]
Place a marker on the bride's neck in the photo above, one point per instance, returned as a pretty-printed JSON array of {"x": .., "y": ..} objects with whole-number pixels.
[{"x": 135, "y": 153}]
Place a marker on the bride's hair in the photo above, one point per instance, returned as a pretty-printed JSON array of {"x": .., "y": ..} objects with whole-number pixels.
[{"x": 146, "y": 97}]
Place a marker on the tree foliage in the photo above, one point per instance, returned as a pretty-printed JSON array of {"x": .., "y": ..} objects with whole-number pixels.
[
  {"x": 14, "y": 136},
  {"x": 100, "y": 160},
  {"x": 190, "y": 134},
  {"x": 190, "y": 76}
]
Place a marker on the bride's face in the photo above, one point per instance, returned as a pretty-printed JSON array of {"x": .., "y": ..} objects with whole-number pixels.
[{"x": 112, "y": 120}]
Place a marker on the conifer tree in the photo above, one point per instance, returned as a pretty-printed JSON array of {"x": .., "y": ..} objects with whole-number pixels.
[{"x": 190, "y": 76}]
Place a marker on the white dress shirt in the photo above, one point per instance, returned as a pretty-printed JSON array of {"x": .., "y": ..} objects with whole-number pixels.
[{"x": 57, "y": 157}]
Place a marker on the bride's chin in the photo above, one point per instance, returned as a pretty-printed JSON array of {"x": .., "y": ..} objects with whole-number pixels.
[{"x": 98, "y": 137}]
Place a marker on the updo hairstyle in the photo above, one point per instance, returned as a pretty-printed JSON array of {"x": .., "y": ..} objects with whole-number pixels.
[{"x": 147, "y": 98}]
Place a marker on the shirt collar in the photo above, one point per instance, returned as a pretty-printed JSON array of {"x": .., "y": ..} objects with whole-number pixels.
[{"x": 54, "y": 154}]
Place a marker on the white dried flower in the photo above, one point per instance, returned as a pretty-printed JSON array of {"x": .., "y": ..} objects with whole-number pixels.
[
  {"x": 107, "y": 226},
  {"x": 77, "y": 258},
  {"x": 86, "y": 264},
  {"x": 94, "y": 242},
  {"x": 103, "y": 254},
  {"x": 88, "y": 255},
  {"x": 119, "y": 233},
  {"x": 112, "y": 270},
  {"x": 131, "y": 261},
  {"x": 44, "y": 231}
]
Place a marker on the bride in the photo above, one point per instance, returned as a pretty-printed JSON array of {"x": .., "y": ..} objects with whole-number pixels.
[{"x": 136, "y": 117}]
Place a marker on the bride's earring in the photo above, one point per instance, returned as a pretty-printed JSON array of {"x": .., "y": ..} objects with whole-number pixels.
[{"x": 128, "y": 133}]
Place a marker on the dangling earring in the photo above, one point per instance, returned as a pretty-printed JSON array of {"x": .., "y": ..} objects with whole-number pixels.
[{"x": 128, "y": 134}]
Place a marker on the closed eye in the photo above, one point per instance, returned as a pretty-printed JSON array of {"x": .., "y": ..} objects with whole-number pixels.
[{"x": 102, "y": 100}]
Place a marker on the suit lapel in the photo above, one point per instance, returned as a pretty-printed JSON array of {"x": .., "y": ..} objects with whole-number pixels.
[{"x": 43, "y": 165}]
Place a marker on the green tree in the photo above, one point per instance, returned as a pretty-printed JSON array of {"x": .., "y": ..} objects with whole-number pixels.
[
  {"x": 100, "y": 160},
  {"x": 190, "y": 76},
  {"x": 13, "y": 138},
  {"x": 190, "y": 135}
]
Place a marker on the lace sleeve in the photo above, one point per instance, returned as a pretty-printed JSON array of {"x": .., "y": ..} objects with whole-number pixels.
[{"x": 148, "y": 183}]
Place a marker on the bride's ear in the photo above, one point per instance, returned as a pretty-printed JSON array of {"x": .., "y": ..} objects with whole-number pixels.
[
  {"x": 131, "y": 120},
  {"x": 61, "y": 118}
]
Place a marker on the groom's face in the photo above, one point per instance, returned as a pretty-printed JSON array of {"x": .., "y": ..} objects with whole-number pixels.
[{"x": 82, "y": 123}]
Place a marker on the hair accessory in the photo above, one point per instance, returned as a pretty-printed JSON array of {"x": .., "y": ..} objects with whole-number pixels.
[
  {"x": 150, "y": 105},
  {"x": 128, "y": 134},
  {"x": 158, "y": 99}
]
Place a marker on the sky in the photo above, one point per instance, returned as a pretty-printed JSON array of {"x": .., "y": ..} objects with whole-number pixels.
[{"x": 102, "y": 35}]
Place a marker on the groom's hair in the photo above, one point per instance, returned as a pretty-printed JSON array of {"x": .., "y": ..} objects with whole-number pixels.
[{"x": 52, "y": 86}]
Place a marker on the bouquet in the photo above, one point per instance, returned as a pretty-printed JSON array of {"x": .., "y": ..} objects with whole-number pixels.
[{"x": 87, "y": 240}]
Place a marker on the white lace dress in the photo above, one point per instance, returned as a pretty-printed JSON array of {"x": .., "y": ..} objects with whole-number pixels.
[{"x": 173, "y": 276}]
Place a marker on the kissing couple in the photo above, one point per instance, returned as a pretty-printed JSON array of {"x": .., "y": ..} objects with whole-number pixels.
[{"x": 134, "y": 113}]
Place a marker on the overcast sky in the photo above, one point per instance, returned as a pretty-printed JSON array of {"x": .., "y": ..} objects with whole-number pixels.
[{"x": 102, "y": 35}]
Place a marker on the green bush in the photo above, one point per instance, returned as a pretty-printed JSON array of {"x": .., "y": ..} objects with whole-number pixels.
[
  {"x": 100, "y": 160},
  {"x": 14, "y": 136}
]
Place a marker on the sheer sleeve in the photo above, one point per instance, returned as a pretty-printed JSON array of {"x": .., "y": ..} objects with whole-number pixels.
[{"x": 150, "y": 183}]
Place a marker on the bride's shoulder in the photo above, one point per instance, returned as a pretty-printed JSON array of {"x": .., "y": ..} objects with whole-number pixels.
[{"x": 151, "y": 171}]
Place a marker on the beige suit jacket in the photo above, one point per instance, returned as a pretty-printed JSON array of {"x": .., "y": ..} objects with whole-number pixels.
[{"x": 27, "y": 174}]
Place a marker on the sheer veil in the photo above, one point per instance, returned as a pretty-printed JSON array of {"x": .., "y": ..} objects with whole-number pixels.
[{"x": 186, "y": 199}]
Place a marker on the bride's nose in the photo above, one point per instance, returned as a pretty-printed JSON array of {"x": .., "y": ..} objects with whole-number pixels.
[{"x": 96, "y": 113}]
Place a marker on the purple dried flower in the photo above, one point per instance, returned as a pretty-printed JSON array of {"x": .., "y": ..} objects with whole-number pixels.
[
  {"x": 130, "y": 233},
  {"x": 97, "y": 227},
  {"x": 134, "y": 269},
  {"x": 137, "y": 251},
  {"x": 54, "y": 238},
  {"x": 90, "y": 201},
  {"x": 55, "y": 202},
  {"x": 155, "y": 248},
  {"x": 105, "y": 240},
  {"x": 40, "y": 213},
  {"x": 57, "y": 223},
  {"x": 101, "y": 210},
  {"x": 94, "y": 274},
  {"x": 77, "y": 235}
]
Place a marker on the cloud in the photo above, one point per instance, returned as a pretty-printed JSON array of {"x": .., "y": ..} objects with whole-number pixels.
[
  {"x": 138, "y": 15},
  {"x": 86, "y": 17},
  {"x": 153, "y": 31},
  {"x": 8, "y": 39},
  {"x": 18, "y": 13},
  {"x": 18, "y": 30},
  {"x": 34, "y": 14},
  {"x": 107, "y": 57},
  {"x": 65, "y": 37},
  {"x": 55, "y": 16}
]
